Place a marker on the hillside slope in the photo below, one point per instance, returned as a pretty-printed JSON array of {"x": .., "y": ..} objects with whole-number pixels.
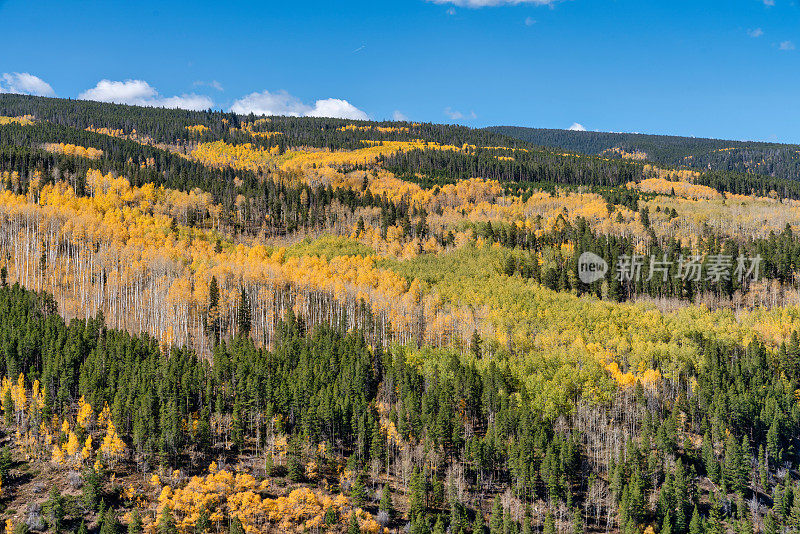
[
  {"x": 771, "y": 159},
  {"x": 222, "y": 323}
]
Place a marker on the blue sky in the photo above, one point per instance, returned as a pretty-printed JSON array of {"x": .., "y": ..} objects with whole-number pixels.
[{"x": 714, "y": 68}]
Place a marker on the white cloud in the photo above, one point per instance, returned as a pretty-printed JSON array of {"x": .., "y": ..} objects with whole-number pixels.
[
  {"x": 335, "y": 107},
  {"x": 140, "y": 93},
  {"x": 214, "y": 84},
  {"x": 25, "y": 84},
  {"x": 454, "y": 114},
  {"x": 786, "y": 45},
  {"x": 577, "y": 127},
  {"x": 530, "y": 21},
  {"x": 266, "y": 103},
  {"x": 758, "y": 32},
  {"x": 282, "y": 103},
  {"x": 769, "y": 3},
  {"x": 399, "y": 116},
  {"x": 493, "y": 3},
  {"x": 451, "y": 11}
]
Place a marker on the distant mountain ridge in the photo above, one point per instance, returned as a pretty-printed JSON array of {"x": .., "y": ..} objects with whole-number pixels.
[{"x": 756, "y": 157}]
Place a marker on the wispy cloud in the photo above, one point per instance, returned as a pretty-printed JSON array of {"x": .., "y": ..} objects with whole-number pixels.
[
  {"x": 282, "y": 103},
  {"x": 24, "y": 83},
  {"x": 769, "y": 3},
  {"x": 494, "y": 3},
  {"x": 140, "y": 93},
  {"x": 399, "y": 116},
  {"x": 360, "y": 48},
  {"x": 577, "y": 127},
  {"x": 455, "y": 115},
  {"x": 530, "y": 21},
  {"x": 451, "y": 11},
  {"x": 786, "y": 45},
  {"x": 757, "y": 32},
  {"x": 214, "y": 84}
]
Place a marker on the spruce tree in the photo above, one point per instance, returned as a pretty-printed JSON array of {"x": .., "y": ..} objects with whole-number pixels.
[
  {"x": 91, "y": 489},
  {"x": 696, "y": 524},
  {"x": 496, "y": 519},
  {"x": 110, "y": 524},
  {"x": 358, "y": 493},
  {"x": 417, "y": 500},
  {"x": 715, "y": 516},
  {"x": 770, "y": 525},
  {"x": 549, "y": 523},
  {"x": 577, "y": 521},
  {"x": 213, "y": 315},
  {"x": 243, "y": 321},
  {"x": 386, "y": 504},
  {"x": 166, "y": 523},
  {"x": 8, "y": 404},
  {"x": 527, "y": 526},
  {"x": 54, "y": 507},
  {"x": 438, "y": 527},
  {"x": 6, "y": 462},
  {"x": 666, "y": 526},
  {"x": 136, "y": 526},
  {"x": 236, "y": 526},
  {"x": 478, "y": 525}
]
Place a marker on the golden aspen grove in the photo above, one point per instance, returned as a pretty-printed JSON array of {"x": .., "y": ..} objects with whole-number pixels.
[{"x": 212, "y": 322}]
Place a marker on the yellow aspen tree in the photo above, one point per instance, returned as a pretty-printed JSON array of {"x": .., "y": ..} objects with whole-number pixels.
[
  {"x": 86, "y": 452},
  {"x": 72, "y": 447},
  {"x": 85, "y": 413}
]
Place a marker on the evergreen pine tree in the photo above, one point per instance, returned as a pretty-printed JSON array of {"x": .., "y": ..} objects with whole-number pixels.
[
  {"x": 419, "y": 525},
  {"x": 295, "y": 467},
  {"x": 54, "y": 506},
  {"x": 417, "y": 499},
  {"x": 666, "y": 526},
  {"x": 243, "y": 321},
  {"x": 166, "y": 523},
  {"x": 5, "y": 463},
  {"x": 763, "y": 469},
  {"x": 773, "y": 441},
  {"x": 236, "y": 526},
  {"x": 496, "y": 519},
  {"x": 709, "y": 458},
  {"x": 695, "y": 525},
  {"x": 527, "y": 527},
  {"x": 636, "y": 498},
  {"x": 478, "y": 525},
  {"x": 438, "y": 527},
  {"x": 577, "y": 521},
  {"x": 91, "y": 489},
  {"x": 715, "y": 516},
  {"x": 549, "y": 523},
  {"x": 110, "y": 524},
  {"x": 358, "y": 493},
  {"x": 136, "y": 526},
  {"x": 770, "y": 525},
  {"x": 8, "y": 403},
  {"x": 385, "y": 504},
  {"x": 213, "y": 315},
  {"x": 475, "y": 344},
  {"x": 377, "y": 448}
]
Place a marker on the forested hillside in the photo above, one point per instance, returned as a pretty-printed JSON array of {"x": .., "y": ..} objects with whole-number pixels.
[
  {"x": 769, "y": 159},
  {"x": 221, "y": 323}
]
